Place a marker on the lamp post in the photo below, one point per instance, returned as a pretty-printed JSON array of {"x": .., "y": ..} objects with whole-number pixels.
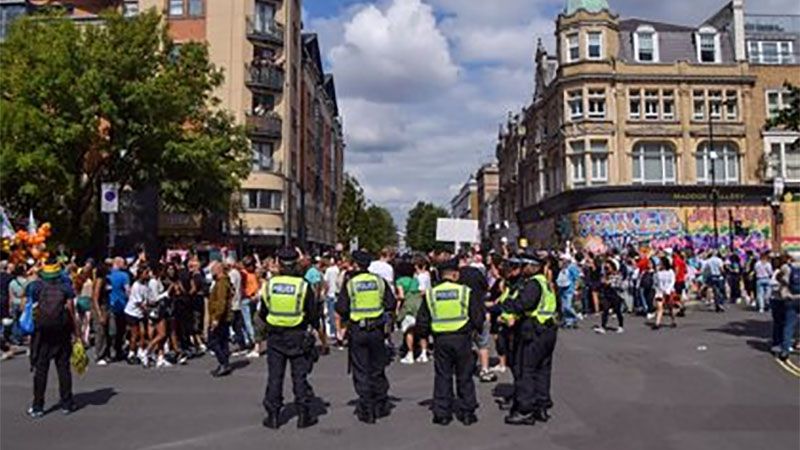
[
  {"x": 777, "y": 217},
  {"x": 712, "y": 155}
]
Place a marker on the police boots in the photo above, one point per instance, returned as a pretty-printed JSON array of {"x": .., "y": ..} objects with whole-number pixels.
[
  {"x": 305, "y": 419},
  {"x": 517, "y": 418},
  {"x": 272, "y": 421}
]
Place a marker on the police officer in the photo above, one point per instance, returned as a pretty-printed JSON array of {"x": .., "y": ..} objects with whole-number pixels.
[
  {"x": 288, "y": 308},
  {"x": 512, "y": 281},
  {"x": 535, "y": 338},
  {"x": 364, "y": 304},
  {"x": 452, "y": 313}
]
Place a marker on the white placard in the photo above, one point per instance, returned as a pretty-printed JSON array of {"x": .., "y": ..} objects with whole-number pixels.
[
  {"x": 457, "y": 230},
  {"x": 109, "y": 198}
]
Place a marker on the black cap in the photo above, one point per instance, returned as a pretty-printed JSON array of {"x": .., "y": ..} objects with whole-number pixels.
[
  {"x": 451, "y": 264},
  {"x": 530, "y": 257},
  {"x": 287, "y": 256},
  {"x": 362, "y": 258}
]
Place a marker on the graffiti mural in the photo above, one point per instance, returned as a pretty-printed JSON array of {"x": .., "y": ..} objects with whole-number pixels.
[{"x": 661, "y": 228}]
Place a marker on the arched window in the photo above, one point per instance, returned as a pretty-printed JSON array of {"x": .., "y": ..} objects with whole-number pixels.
[
  {"x": 653, "y": 163},
  {"x": 721, "y": 164}
]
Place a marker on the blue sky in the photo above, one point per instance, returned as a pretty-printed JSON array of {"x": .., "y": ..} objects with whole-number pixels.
[{"x": 424, "y": 84}]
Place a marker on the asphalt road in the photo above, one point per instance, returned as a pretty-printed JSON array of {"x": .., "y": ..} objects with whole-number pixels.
[{"x": 706, "y": 385}]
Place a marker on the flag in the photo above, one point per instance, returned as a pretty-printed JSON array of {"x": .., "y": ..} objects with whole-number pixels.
[
  {"x": 31, "y": 223},
  {"x": 6, "y": 229}
]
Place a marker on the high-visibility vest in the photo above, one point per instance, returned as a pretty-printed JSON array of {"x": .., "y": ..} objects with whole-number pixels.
[
  {"x": 366, "y": 296},
  {"x": 448, "y": 304},
  {"x": 284, "y": 296},
  {"x": 546, "y": 310},
  {"x": 508, "y": 294}
]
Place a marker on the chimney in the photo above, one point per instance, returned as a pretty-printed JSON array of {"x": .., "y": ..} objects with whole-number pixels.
[{"x": 738, "y": 30}]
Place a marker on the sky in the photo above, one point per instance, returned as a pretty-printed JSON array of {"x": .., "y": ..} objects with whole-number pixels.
[{"x": 423, "y": 85}]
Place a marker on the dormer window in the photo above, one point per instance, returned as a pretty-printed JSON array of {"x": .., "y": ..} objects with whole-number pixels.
[
  {"x": 573, "y": 47},
  {"x": 645, "y": 44},
  {"x": 707, "y": 40},
  {"x": 594, "y": 45}
]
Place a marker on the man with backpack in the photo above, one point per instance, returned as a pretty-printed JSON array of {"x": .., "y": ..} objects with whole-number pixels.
[
  {"x": 53, "y": 336},
  {"x": 789, "y": 281}
]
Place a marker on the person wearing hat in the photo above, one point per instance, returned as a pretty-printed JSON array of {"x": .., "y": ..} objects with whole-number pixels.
[
  {"x": 289, "y": 309},
  {"x": 364, "y": 304},
  {"x": 54, "y": 333},
  {"x": 452, "y": 313},
  {"x": 534, "y": 339},
  {"x": 512, "y": 282}
]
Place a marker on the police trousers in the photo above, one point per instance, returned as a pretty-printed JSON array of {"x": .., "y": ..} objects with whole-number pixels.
[
  {"x": 533, "y": 364},
  {"x": 368, "y": 358},
  {"x": 454, "y": 361},
  {"x": 283, "y": 348}
]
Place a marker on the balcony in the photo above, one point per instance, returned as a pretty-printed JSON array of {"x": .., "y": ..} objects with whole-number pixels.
[
  {"x": 267, "y": 125},
  {"x": 264, "y": 30},
  {"x": 267, "y": 76}
]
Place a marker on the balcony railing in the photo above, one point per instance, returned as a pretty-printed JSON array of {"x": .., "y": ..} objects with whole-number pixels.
[
  {"x": 264, "y": 76},
  {"x": 267, "y": 125},
  {"x": 266, "y": 30}
]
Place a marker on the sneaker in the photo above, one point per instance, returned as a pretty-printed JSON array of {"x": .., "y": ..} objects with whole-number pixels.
[
  {"x": 68, "y": 408},
  {"x": 599, "y": 330},
  {"x": 253, "y": 354},
  {"x": 102, "y": 362},
  {"x": 487, "y": 377},
  {"x": 620, "y": 330},
  {"x": 498, "y": 368},
  {"x": 203, "y": 348},
  {"x": 408, "y": 359},
  {"x": 183, "y": 359},
  {"x": 144, "y": 360},
  {"x": 423, "y": 358},
  {"x": 651, "y": 316},
  {"x": 35, "y": 413}
]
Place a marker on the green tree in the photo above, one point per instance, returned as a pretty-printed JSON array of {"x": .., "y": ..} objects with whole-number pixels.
[
  {"x": 788, "y": 117},
  {"x": 119, "y": 102},
  {"x": 372, "y": 225},
  {"x": 379, "y": 229},
  {"x": 421, "y": 227},
  {"x": 351, "y": 209}
]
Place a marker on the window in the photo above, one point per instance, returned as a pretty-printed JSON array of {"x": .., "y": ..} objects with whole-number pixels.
[
  {"x": 645, "y": 44},
  {"x": 784, "y": 158},
  {"x": 668, "y": 104},
  {"x": 731, "y": 105},
  {"x": 130, "y": 8},
  {"x": 265, "y": 15},
  {"x": 262, "y": 156},
  {"x": 720, "y": 165},
  {"x": 573, "y": 49},
  {"x": 176, "y": 8},
  {"x": 707, "y": 45},
  {"x": 577, "y": 161},
  {"x": 653, "y": 163},
  {"x": 262, "y": 199},
  {"x": 597, "y": 103},
  {"x": 715, "y": 104},
  {"x": 575, "y": 104},
  {"x": 8, "y": 13},
  {"x": 634, "y": 103},
  {"x": 262, "y": 104},
  {"x": 196, "y": 8},
  {"x": 777, "y": 101},
  {"x": 771, "y": 52},
  {"x": 599, "y": 160},
  {"x": 594, "y": 44},
  {"x": 699, "y": 102},
  {"x": 651, "y": 104}
]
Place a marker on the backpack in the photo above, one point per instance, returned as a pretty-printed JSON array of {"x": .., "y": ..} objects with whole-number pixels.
[
  {"x": 794, "y": 280},
  {"x": 648, "y": 280},
  {"x": 52, "y": 308}
]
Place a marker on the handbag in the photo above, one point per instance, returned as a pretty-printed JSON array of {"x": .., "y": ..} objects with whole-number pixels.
[{"x": 26, "y": 322}]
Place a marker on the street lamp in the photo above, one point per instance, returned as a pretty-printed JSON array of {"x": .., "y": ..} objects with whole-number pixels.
[{"x": 713, "y": 156}]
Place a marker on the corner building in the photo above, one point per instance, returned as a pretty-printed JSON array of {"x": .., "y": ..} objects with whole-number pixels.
[{"x": 636, "y": 126}]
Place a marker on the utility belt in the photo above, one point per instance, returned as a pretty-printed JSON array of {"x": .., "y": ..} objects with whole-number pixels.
[{"x": 369, "y": 324}]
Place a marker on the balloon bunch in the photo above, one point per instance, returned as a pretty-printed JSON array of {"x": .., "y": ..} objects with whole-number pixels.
[{"x": 24, "y": 245}]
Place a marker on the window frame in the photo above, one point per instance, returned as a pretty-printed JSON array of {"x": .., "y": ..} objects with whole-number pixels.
[
  {"x": 755, "y": 51},
  {"x": 258, "y": 156},
  {"x": 637, "y": 48},
  {"x": 276, "y": 202},
  {"x": 638, "y": 98},
  {"x": 596, "y": 156},
  {"x": 666, "y": 152},
  {"x": 725, "y": 150},
  {"x": 652, "y": 100},
  {"x": 780, "y": 92},
  {"x": 578, "y": 100},
  {"x": 569, "y": 47},
  {"x": 784, "y": 142},
  {"x": 595, "y": 98},
  {"x": 600, "y": 46},
  {"x": 714, "y": 34},
  {"x": 172, "y": 4}
]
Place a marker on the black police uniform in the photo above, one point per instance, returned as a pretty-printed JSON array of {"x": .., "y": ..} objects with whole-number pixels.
[
  {"x": 296, "y": 346},
  {"x": 505, "y": 338},
  {"x": 454, "y": 359},
  {"x": 533, "y": 357},
  {"x": 368, "y": 354}
]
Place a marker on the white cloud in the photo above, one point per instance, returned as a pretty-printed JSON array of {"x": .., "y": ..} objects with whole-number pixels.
[{"x": 393, "y": 55}]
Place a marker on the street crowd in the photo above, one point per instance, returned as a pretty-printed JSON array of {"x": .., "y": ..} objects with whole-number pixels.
[{"x": 157, "y": 314}]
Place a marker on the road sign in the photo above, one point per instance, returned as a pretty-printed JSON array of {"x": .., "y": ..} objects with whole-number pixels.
[{"x": 109, "y": 198}]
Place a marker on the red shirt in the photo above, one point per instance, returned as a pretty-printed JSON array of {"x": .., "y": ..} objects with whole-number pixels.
[{"x": 679, "y": 265}]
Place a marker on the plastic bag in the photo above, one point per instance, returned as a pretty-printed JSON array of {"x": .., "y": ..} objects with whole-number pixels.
[
  {"x": 26, "y": 323},
  {"x": 79, "y": 359}
]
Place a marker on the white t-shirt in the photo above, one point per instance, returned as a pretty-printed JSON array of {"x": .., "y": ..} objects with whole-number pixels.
[
  {"x": 665, "y": 283},
  {"x": 424, "y": 280},
  {"x": 331, "y": 281},
  {"x": 236, "y": 283},
  {"x": 383, "y": 270},
  {"x": 140, "y": 296}
]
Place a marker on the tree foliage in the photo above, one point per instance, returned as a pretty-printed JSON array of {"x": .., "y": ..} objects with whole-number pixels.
[
  {"x": 372, "y": 225},
  {"x": 80, "y": 105},
  {"x": 421, "y": 227},
  {"x": 788, "y": 117}
]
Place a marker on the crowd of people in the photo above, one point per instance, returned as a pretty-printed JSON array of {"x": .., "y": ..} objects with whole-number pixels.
[{"x": 156, "y": 314}]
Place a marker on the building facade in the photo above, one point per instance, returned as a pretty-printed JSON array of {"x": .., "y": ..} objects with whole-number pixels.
[
  {"x": 646, "y": 133},
  {"x": 488, "y": 185},
  {"x": 464, "y": 205},
  {"x": 275, "y": 85}
]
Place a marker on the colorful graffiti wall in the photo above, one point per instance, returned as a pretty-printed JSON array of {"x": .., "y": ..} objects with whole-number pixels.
[
  {"x": 670, "y": 227},
  {"x": 790, "y": 231}
]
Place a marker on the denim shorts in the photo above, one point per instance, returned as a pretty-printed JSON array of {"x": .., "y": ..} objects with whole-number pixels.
[{"x": 484, "y": 339}]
